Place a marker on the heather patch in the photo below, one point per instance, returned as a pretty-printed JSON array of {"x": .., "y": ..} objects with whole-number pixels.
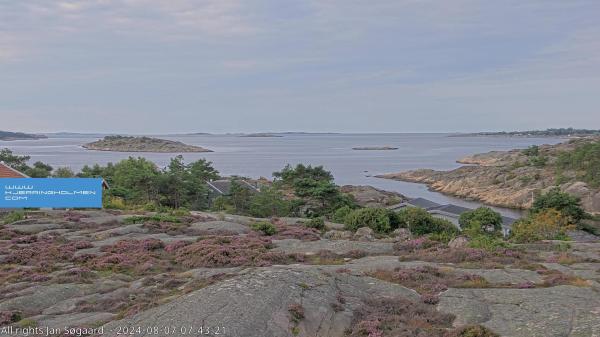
[
  {"x": 229, "y": 251},
  {"x": 430, "y": 281},
  {"x": 552, "y": 278},
  {"x": 170, "y": 228},
  {"x": 132, "y": 256},
  {"x": 471, "y": 257},
  {"x": 399, "y": 317},
  {"x": 471, "y": 331},
  {"x": 9, "y": 317},
  {"x": 44, "y": 252},
  {"x": 285, "y": 231}
]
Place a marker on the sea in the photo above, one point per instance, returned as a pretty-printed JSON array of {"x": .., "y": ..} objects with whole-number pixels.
[{"x": 261, "y": 156}]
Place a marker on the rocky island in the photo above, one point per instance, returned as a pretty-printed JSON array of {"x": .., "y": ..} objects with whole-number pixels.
[
  {"x": 513, "y": 178},
  {"x": 261, "y": 135},
  {"x": 374, "y": 148},
  {"x": 8, "y": 135},
  {"x": 141, "y": 144}
]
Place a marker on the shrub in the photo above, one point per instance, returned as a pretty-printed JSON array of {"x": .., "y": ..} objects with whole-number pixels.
[
  {"x": 487, "y": 242},
  {"x": 563, "y": 202},
  {"x": 13, "y": 216},
  {"x": 136, "y": 219},
  {"x": 316, "y": 223},
  {"x": 341, "y": 214},
  {"x": 266, "y": 228},
  {"x": 378, "y": 219},
  {"x": 545, "y": 225},
  {"x": 482, "y": 220},
  {"x": 420, "y": 222}
]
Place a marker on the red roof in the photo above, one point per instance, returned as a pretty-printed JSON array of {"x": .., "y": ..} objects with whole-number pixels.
[{"x": 9, "y": 172}]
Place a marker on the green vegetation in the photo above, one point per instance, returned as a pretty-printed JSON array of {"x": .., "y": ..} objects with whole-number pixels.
[
  {"x": 481, "y": 221},
  {"x": 379, "y": 220},
  {"x": 563, "y": 202},
  {"x": 13, "y": 217},
  {"x": 316, "y": 223},
  {"x": 314, "y": 187},
  {"x": 584, "y": 160},
  {"x": 158, "y": 218},
  {"x": 420, "y": 222},
  {"x": 264, "y": 227},
  {"x": 548, "y": 224}
]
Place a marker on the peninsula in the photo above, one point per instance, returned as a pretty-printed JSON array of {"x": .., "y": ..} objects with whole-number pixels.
[
  {"x": 141, "y": 144},
  {"x": 513, "y": 178}
]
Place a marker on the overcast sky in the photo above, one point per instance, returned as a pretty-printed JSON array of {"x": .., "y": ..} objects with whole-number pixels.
[{"x": 157, "y": 66}]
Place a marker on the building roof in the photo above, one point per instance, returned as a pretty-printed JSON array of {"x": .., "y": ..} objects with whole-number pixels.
[
  {"x": 223, "y": 186},
  {"x": 9, "y": 172},
  {"x": 423, "y": 203},
  {"x": 452, "y": 209}
]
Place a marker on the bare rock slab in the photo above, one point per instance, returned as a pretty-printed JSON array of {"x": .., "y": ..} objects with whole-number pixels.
[{"x": 541, "y": 312}]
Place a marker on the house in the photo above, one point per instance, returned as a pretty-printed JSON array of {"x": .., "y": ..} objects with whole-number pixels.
[
  {"x": 415, "y": 202},
  {"x": 448, "y": 212},
  {"x": 222, "y": 187},
  {"x": 9, "y": 172}
]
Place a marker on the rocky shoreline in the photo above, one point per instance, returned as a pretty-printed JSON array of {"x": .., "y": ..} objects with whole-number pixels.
[{"x": 507, "y": 178}]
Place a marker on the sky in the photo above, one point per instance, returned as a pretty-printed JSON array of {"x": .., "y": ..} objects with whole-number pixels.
[{"x": 164, "y": 66}]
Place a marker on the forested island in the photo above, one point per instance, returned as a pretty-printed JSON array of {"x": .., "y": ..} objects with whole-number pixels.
[
  {"x": 141, "y": 144},
  {"x": 559, "y": 132},
  {"x": 8, "y": 135}
]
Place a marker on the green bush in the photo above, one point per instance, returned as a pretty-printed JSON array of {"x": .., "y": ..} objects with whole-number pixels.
[
  {"x": 378, "y": 219},
  {"x": 563, "y": 202},
  {"x": 316, "y": 223},
  {"x": 420, "y": 222},
  {"x": 157, "y": 217},
  {"x": 481, "y": 221},
  {"x": 341, "y": 214},
  {"x": 266, "y": 228},
  {"x": 548, "y": 224},
  {"x": 13, "y": 217},
  {"x": 487, "y": 242}
]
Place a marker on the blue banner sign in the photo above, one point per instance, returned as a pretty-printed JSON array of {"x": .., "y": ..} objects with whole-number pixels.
[{"x": 51, "y": 193}]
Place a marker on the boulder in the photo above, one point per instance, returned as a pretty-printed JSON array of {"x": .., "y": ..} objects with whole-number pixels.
[
  {"x": 337, "y": 235},
  {"x": 401, "y": 234},
  {"x": 363, "y": 234},
  {"x": 458, "y": 242}
]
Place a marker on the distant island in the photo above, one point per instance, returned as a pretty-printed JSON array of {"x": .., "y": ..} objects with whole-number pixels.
[
  {"x": 374, "y": 148},
  {"x": 561, "y": 132},
  {"x": 261, "y": 135},
  {"x": 7, "y": 135},
  {"x": 141, "y": 144}
]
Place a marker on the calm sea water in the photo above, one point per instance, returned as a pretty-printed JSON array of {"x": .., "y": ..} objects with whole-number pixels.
[{"x": 260, "y": 157}]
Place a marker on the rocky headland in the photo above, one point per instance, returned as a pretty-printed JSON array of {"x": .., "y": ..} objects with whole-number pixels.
[
  {"x": 512, "y": 178},
  {"x": 141, "y": 144}
]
